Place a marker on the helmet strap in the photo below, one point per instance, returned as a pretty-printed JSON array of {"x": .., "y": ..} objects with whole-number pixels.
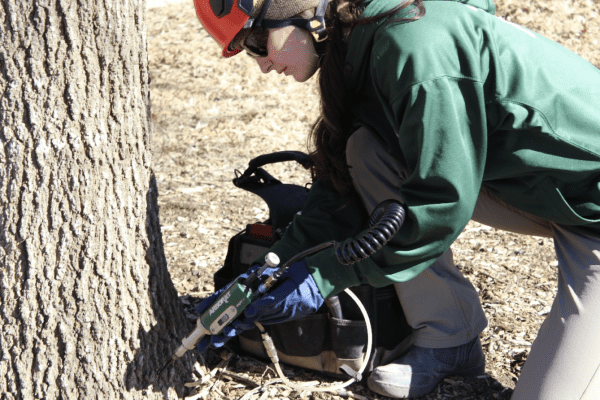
[
  {"x": 315, "y": 25},
  {"x": 253, "y": 23}
]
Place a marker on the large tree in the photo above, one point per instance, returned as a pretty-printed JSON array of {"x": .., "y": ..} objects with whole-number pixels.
[{"x": 87, "y": 307}]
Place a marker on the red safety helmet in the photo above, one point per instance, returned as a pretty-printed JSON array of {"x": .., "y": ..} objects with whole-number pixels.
[{"x": 223, "y": 19}]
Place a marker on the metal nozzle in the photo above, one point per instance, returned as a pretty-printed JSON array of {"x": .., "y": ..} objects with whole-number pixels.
[
  {"x": 271, "y": 261},
  {"x": 160, "y": 371},
  {"x": 187, "y": 344}
]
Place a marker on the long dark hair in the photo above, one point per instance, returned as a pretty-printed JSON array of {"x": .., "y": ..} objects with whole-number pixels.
[{"x": 332, "y": 129}]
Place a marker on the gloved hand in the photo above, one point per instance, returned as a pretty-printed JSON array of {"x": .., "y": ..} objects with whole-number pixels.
[{"x": 295, "y": 296}]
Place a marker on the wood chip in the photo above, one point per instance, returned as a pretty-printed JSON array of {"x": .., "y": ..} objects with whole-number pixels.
[{"x": 241, "y": 378}]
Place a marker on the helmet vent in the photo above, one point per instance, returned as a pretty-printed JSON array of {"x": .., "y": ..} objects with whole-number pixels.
[{"x": 221, "y": 7}]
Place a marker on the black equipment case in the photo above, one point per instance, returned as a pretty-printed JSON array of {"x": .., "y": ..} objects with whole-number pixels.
[{"x": 333, "y": 340}]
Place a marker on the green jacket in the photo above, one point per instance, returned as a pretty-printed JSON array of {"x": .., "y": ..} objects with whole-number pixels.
[{"x": 464, "y": 99}]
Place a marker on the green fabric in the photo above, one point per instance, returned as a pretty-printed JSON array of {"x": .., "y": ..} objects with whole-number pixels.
[{"x": 466, "y": 99}]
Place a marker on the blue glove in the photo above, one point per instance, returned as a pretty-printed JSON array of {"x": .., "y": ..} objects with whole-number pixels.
[{"x": 295, "y": 297}]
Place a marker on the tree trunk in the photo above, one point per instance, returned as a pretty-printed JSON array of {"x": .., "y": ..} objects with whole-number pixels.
[{"x": 87, "y": 307}]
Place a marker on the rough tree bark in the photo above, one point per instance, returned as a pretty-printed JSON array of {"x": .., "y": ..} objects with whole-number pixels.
[{"x": 87, "y": 307}]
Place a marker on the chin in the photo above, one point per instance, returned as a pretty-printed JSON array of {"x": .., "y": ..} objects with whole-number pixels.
[
  {"x": 303, "y": 76},
  {"x": 300, "y": 78}
]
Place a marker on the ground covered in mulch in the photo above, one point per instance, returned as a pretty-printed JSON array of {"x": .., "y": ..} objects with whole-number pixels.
[{"x": 212, "y": 115}]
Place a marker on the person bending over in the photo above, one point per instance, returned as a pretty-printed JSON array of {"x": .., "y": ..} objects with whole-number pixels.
[{"x": 458, "y": 115}]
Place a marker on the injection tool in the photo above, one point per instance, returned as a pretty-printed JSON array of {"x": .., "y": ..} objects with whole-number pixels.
[{"x": 227, "y": 307}]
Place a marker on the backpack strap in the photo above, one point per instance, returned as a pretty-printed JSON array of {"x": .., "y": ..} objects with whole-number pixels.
[{"x": 284, "y": 200}]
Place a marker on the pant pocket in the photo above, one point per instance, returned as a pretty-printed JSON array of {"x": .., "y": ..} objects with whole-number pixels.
[{"x": 348, "y": 338}]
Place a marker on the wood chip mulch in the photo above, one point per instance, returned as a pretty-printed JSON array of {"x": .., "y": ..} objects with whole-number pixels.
[{"x": 212, "y": 115}]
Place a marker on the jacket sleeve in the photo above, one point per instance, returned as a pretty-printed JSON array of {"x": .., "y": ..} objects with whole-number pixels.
[
  {"x": 442, "y": 137},
  {"x": 440, "y": 125}
]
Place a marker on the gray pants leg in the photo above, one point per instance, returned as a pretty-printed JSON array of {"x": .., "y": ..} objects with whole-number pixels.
[
  {"x": 564, "y": 362},
  {"x": 440, "y": 304}
]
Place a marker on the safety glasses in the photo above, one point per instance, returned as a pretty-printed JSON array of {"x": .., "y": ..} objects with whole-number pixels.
[
  {"x": 256, "y": 42},
  {"x": 254, "y": 37},
  {"x": 257, "y": 37}
]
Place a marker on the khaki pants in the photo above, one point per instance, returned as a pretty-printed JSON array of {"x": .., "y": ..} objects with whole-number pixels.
[{"x": 443, "y": 307}]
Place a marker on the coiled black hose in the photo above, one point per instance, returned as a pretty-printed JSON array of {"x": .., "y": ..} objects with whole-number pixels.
[{"x": 384, "y": 222}]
